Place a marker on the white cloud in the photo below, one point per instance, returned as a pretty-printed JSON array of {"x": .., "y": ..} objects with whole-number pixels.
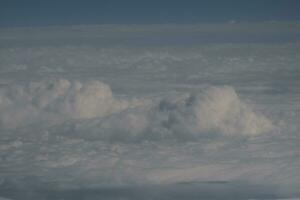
[
  {"x": 53, "y": 102},
  {"x": 96, "y": 113}
]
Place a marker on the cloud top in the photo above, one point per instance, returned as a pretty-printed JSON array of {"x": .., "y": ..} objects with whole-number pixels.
[{"x": 90, "y": 110}]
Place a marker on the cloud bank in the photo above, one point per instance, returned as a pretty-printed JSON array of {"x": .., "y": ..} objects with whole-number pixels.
[{"x": 74, "y": 108}]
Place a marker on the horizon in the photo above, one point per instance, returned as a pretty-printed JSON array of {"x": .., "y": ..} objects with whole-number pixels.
[
  {"x": 197, "y": 24},
  {"x": 34, "y": 13}
]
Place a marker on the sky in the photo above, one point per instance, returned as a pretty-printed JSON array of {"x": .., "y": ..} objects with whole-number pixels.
[{"x": 74, "y": 12}]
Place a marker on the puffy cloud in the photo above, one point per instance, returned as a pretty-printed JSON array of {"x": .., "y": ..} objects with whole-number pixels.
[
  {"x": 216, "y": 110},
  {"x": 90, "y": 110},
  {"x": 53, "y": 102},
  {"x": 221, "y": 110}
]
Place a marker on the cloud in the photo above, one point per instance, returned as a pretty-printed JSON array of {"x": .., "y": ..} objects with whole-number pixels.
[
  {"x": 53, "y": 102},
  {"x": 90, "y": 110}
]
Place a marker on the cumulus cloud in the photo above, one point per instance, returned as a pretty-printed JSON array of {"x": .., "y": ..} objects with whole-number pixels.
[
  {"x": 221, "y": 109},
  {"x": 90, "y": 110},
  {"x": 216, "y": 110},
  {"x": 53, "y": 102}
]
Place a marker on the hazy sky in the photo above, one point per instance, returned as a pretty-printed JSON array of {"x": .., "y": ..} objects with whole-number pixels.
[{"x": 60, "y": 12}]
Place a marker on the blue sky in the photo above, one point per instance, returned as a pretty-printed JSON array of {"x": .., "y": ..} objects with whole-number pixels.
[{"x": 66, "y": 12}]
